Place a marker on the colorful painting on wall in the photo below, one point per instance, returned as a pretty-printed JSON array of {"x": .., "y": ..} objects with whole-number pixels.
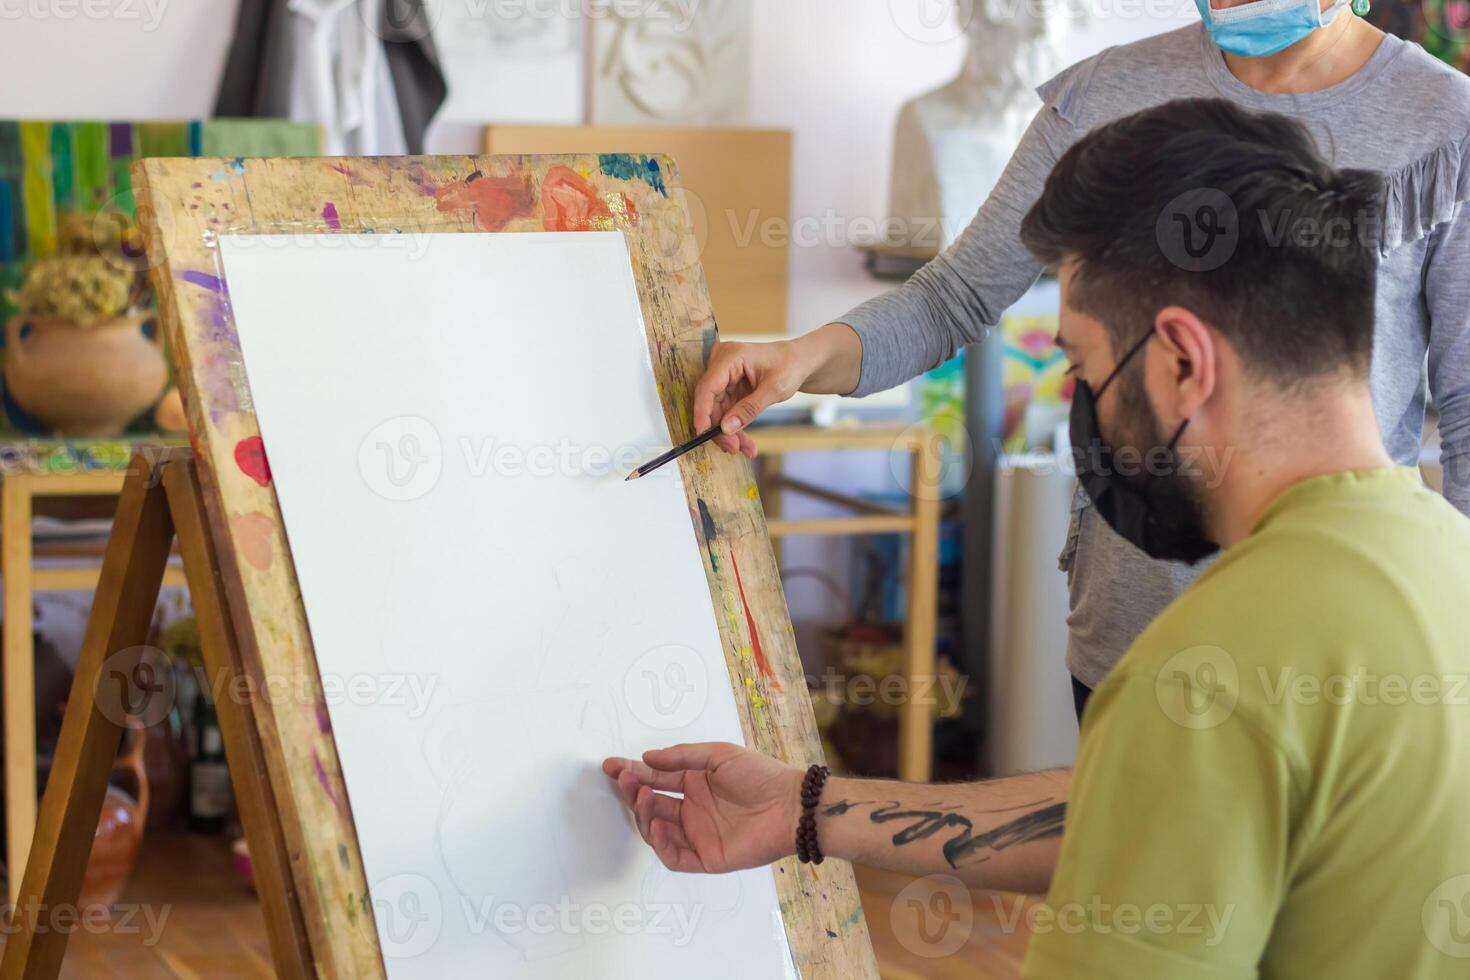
[
  {"x": 1441, "y": 26},
  {"x": 72, "y": 262},
  {"x": 1037, "y": 390}
]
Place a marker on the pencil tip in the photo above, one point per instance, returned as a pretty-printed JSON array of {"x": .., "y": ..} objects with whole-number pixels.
[{"x": 631, "y": 476}]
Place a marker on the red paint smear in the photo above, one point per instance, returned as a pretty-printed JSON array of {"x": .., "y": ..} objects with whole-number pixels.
[
  {"x": 329, "y": 215},
  {"x": 569, "y": 203},
  {"x": 755, "y": 638},
  {"x": 630, "y": 209},
  {"x": 250, "y": 457},
  {"x": 495, "y": 200}
]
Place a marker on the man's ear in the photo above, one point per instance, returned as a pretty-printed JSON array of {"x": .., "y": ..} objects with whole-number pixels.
[{"x": 1186, "y": 350}]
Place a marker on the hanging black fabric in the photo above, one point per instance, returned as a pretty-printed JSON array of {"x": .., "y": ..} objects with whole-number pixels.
[
  {"x": 258, "y": 72},
  {"x": 413, "y": 64},
  {"x": 257, "y": 78}
]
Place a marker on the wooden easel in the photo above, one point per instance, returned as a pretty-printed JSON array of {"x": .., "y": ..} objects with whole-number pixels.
[
  {"x": 256, "y": 627},
  {"x": 161, "y": 498}
]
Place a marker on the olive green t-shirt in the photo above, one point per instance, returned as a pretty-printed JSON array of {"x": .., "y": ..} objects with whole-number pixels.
[{"x": 1275, "y": 781}]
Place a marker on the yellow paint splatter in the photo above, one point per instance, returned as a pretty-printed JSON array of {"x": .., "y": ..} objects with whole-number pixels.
[
  {"x": 752, "y": 492},
  {"x": 757, "y": 703}
]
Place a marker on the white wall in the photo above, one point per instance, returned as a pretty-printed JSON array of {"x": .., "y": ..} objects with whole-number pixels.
[{"x": 112, "y": 59}]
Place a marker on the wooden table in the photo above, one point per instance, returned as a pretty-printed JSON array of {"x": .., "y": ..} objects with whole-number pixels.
[
  {"x": 920, "y": 520},
  {"x": 24, "y": 496}
]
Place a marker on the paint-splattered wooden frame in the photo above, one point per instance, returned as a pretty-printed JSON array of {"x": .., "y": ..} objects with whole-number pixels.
[{"x": 186, "y": 204}]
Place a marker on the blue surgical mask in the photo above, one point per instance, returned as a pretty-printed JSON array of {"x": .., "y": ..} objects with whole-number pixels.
[{"x": 1262, "y": 27}]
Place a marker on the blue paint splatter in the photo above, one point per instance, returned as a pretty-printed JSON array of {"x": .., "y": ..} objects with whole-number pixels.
[
  {"x": 619, "y": 166},
  {"x": 627, "y": 166},
  {"x": 711, "y": 533},
  {"x": 654, "y": 176}
]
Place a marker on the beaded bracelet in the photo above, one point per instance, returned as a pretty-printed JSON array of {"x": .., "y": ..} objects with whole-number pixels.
[{"x": 807, "y": 850}]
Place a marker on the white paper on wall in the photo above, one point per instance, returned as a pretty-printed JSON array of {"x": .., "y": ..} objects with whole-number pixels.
[
  {"x": 510, "y": 60},
  {"x": 671, "y": 62},
  {"x": 448, "y": 420}
]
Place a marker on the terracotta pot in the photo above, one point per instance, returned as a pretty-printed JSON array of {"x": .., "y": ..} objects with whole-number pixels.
[
  {"x": 83, "y": 382},
  {"x": 119, "y": 829}
]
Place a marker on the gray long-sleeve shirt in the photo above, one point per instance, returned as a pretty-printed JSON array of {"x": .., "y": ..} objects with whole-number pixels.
[{"x": 1403, "y": 114}]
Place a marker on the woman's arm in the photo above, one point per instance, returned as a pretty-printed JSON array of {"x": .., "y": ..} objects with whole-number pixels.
[
  {"x": 1447, "y": 295},
  {"x": 961, "y": 294},
  {"x": 949, "y": 303}
]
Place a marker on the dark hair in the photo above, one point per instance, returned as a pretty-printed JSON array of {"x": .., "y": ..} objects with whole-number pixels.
[{"x": 1231, "y": 214}]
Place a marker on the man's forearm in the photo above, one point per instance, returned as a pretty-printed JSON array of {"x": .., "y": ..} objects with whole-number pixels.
[{"x": 1000, "y": 833}]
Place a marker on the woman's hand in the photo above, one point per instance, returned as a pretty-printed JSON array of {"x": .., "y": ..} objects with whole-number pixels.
[
  {"x": 739, "y": 810},
  {"x": 743, "y": 380}
]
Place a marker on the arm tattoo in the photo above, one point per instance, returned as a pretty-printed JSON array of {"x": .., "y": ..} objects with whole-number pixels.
[{"x": 963, "y": 843}]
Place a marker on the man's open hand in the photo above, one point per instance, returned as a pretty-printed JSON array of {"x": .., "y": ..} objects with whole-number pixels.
[{"x": 739, "y": 808}]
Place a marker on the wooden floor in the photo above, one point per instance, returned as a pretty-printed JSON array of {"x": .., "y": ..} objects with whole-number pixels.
[
  {"x": 211, "y": 925},
  {"x": 212, "y": 928}
]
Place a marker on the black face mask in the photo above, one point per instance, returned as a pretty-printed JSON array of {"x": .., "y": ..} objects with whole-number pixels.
[{"x": 1160, "y": 515}]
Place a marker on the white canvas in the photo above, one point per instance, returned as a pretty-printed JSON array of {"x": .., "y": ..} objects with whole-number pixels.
[{"x": 448, "y": 420}]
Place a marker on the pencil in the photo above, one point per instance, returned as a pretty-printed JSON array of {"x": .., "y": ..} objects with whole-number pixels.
[{"x": 674, "y": 453}]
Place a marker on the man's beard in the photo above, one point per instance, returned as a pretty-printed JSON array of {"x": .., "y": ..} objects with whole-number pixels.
[{"x": 1176, "y": 496}]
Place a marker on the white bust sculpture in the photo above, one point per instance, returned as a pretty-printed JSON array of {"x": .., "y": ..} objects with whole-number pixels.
[{"x": 951, "y": 144}]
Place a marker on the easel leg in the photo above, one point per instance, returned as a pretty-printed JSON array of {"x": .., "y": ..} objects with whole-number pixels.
[
  {"x": 234, "y": 699},
  {"x": 20, "y": 678},
  {"x": 916, "y": 719},
  {"x": 127, "y": 592}
]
